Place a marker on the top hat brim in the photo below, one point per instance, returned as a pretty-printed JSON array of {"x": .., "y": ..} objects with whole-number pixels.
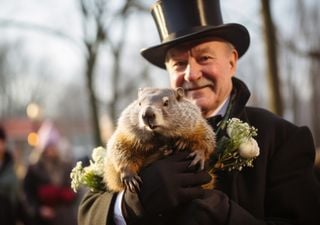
[{"x": 234, "y": 33}]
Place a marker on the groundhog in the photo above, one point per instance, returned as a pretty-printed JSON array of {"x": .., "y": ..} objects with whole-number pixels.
[{"x": 158, "y": 122}]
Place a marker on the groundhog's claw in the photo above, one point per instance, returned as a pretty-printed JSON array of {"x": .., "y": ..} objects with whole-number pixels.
[
  {"x": 198, "y": 158},
  {"x": 132, "y": 183}
]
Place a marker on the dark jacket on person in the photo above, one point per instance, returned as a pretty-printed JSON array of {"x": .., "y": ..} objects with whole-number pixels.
[
  {"x": 280, "y": 189},
  {"x": 9, "y": 191},
  {"x": 47, "y": 183},
  {"x": 12, "y": 205}
]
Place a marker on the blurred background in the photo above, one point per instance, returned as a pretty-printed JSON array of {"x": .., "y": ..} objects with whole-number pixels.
[{"x": 76, "y": 64}]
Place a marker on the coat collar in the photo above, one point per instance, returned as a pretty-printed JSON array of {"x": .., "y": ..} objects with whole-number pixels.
[
  {"x": 237, "y": 101},
  {"x": 242, "y": 95}
]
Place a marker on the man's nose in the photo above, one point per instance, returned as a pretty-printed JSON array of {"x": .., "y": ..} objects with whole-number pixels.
[{"x": 193, "y": 71}]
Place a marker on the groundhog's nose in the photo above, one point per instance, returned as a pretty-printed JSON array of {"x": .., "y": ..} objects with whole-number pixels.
[{"x": 149, "y": 117}]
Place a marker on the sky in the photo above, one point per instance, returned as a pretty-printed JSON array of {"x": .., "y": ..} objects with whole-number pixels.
[{"x": 54, "y": 15}]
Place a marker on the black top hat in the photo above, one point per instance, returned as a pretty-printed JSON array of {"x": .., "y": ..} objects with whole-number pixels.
[{"x": 185, "y": 20}]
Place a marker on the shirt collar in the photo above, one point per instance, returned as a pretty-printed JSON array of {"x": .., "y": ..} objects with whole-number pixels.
[{"x": 221, "y": 110}]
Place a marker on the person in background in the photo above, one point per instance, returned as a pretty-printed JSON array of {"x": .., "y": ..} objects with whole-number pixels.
[
  {"x": 12, "y": 207},
  {"x": 47, "y": 182},
  {"x": 201, "y": 53}
]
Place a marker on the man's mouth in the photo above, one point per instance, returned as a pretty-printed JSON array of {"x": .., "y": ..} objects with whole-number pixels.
[{"x": 194, "y": 88}]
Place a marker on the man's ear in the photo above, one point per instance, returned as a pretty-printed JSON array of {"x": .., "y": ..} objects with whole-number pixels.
[{"x": 233, "y": 61}]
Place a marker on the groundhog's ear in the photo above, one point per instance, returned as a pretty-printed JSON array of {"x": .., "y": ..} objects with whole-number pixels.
[
  {"x": 179, "y": 93},
  {"x": 140, "y": 90}
]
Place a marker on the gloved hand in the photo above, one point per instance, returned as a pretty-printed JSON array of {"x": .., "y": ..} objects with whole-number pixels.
[
  {"x": 166, "y": 184},
  {"x": 212, "y": 208}
]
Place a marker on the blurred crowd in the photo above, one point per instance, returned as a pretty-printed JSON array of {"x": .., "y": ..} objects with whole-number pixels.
[{"x": 43, "y": 196}]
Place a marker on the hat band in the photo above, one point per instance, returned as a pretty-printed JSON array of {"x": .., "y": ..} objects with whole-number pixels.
[{"x": 186, "y": 32}]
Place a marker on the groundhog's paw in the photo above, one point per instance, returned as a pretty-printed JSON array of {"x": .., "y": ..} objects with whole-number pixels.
[
  {"x": 131, "y": 182},
  {"x": 198, "y": 158}
]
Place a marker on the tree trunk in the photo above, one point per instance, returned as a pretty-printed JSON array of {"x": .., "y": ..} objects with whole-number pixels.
[
  {"x": 276, "y": 104},
  {"x": 92, "y": 98},
  {"x": 315, "y": 106}
]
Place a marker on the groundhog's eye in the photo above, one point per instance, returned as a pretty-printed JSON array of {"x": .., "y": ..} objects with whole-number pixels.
[
  {"x": 165, "y": 101},
  {"x": 139, "y": 103}
]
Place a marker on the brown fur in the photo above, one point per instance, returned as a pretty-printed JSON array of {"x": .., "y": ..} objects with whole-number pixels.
[{"x": 159, "y": 121}]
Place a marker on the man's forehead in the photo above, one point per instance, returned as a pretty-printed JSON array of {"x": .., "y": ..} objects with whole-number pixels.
[{"x": 201, "y": 45}]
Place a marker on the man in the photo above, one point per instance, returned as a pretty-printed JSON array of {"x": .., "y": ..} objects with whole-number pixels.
[
  {"x": 12, "y": 207},
  {"x": 200, "y": 53}
]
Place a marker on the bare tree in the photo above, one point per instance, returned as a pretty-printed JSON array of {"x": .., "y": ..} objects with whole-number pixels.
[
  {"x": 309, "y": 18},
  {"x": 98, "y": 17},
  {"x": 3, "y": 80},
  {"x": 92, "y": 46},
  {"x": 16, "y": 88},
  {"x": 96, "y": 12},
  {"x": 303, "y": 46},
  {"x": 272, "y": 57}
]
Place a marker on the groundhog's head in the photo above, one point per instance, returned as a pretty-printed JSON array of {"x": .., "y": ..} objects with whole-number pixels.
[{"x": 157, "y": 107}]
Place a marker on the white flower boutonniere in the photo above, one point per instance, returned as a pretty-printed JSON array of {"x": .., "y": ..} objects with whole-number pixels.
[
  {"x": 238, "y": 148},
  {"x": 90, "y": 176}
]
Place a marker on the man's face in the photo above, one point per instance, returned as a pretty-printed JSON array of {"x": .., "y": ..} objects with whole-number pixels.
[{"x": 204, "y": 70}]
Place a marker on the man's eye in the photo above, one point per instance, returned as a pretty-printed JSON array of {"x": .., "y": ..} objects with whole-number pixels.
[
  {"x": 204, "y": 58},
  {"x": 179, "y": 64}
]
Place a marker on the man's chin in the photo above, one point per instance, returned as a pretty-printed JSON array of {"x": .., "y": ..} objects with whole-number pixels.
[{"x": 200, "y": 102}]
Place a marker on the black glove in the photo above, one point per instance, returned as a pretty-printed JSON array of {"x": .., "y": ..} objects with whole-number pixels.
[
  {"x": 166, "y": 184},
  {"x": 212, "y": 208}
]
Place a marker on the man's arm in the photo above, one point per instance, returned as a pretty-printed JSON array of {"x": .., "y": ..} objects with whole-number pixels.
[
  {"x": 94, "y": 209},
  {"x": 166, "y": 184}
]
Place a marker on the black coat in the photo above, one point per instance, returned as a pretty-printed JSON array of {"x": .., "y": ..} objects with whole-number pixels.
[
  {"x": 281, "y": 186},
  {"x": 280, "y": 189}
]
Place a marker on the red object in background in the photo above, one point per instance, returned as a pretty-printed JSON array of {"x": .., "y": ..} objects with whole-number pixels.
[
  {"x": 66, "y": 195},
  {"x": 53, "y": 195},
  {"x": 48, "y": 194}
]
